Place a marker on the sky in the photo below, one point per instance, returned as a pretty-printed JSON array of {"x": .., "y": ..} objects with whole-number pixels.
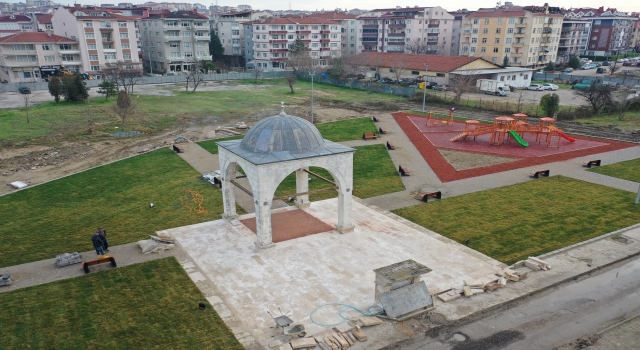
[{"x": 451, "y": 5}]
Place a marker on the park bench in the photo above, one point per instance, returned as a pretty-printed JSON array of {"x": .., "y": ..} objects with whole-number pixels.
[
  {"x": 369, "y": 136},
  {"x": 86, "y": 264},
  {"x": 178, "y": 149},
  {"x": 403, "y": 171},
  {"x": 375, "y": 120},
  {"x": 390, "y": 146},
  {"x": 425, "y": 196},
  {"x": 382, "y": 131},
  {"x": 591, "y": 163},
  {"x": 539, "y": 173}
]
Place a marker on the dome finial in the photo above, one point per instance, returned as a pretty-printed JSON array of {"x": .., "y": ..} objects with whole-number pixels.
[{"x": 282, "y": 113}]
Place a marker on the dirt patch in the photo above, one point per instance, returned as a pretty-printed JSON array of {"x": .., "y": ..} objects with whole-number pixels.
[
  {"x": 467, "y": 160},
  {"x": 291, "y": 224}
]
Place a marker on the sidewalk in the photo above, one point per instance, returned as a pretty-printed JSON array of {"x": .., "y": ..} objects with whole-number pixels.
[{"x": 622, "y": 336}]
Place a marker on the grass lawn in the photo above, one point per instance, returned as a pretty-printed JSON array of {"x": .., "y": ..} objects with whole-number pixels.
[
  {"x": 60, "y": 216},
  {"x": 67, "y": 120},
  {"x": 373, "y": 174},
  {"x": 629, "y": 170},
  {"x": 631, "y": 121},
  {"x": 346, "y": 130},
  {"x": 142, "y": 306},
  {"x": 212, "y": 147},
  {"x": 513, "y": 222}
]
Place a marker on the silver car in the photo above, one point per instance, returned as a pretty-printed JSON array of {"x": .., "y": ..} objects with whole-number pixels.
[{"x": 535, "y": 87}]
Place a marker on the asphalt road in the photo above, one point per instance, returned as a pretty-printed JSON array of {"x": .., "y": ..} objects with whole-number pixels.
[{"x": 558, "y": 317}]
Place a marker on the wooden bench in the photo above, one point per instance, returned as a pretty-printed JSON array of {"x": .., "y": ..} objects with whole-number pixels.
[
  {"x": 425, "y": 196},
  {"x": 539, "y": 173},
  {"x": 390, "y": 146},
  {"x": 375, "y": 120},
  {"x": 591, "y": 163},
  {"x": 382, "y": 131},
  {"x": 178, "y": 149},
  {"x": 86, "y": 264},
  {"x": 403, "y": 171},
  {"x": 369, "y": 136}
]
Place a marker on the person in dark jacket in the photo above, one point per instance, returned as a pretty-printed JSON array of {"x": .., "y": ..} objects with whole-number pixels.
[
  {"x": 98, "y": 244},
  {"x": 103, "y": 235}
]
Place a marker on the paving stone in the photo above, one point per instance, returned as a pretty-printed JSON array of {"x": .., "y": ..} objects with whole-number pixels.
[
  {"x": 222, "y": 310},
  {"x": 301, "y": 343},
  {"x": 197, "y": 277},
  {"x": 214, "y": 299}
]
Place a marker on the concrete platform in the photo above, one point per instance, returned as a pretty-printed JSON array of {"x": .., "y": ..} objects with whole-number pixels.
[{"x": 301, "y": 274}]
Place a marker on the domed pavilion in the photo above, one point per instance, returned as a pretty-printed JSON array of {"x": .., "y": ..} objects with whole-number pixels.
[{"x": 274, "y": 148}]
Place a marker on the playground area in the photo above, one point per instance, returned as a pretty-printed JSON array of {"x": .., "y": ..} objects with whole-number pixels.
[{"x": 532, "y": 141}]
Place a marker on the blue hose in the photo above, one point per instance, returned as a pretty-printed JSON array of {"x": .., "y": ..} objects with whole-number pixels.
[{"x": 342, "y": 306}]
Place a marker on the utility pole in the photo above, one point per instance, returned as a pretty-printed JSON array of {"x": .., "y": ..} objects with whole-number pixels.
[
  {"x": 312, "y": 74},
  {"x": 424, "y": 80}
]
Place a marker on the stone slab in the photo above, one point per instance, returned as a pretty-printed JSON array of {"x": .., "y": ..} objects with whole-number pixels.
[
  {"x": 301, "y": 343},
  {"x": 402, "y": 301}
]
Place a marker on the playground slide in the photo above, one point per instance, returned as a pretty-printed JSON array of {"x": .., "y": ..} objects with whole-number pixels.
[
  {"x": 518, "y": 139},
  {"x": 461, "y": 136},
  {"x": 564, "y": 136}
]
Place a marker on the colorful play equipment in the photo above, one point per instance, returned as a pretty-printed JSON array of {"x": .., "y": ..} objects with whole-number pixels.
[
  {"x": 444, "y": 116},
  {"x": 514, "y": 127}
]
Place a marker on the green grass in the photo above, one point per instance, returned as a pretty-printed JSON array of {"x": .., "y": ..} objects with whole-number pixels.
[
  {"x": 373, "y": 175},
  {"x": 150, "y": 305},
  {"x": 346, "y": 130},
  {"x": 66, "y": 120},
  {"x": 629, "y": 170},
  {"x": 211, "y": 145},
  {"x": 60, "y": 216},
  {"x": 513, "y": 222},
  {"x": 631, "y": 121}
]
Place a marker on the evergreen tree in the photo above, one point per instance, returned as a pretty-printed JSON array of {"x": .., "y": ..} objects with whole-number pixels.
[
  {"x": 574, "y": 62},
  {"x": 550, "y": 67},
  {"x": 215, "y": 47},
  {"x": 107, "y": 89},
  {"x": 550, "y": 104},
  {"x": 505, "y": 61},
  {"x": 74, "y": 88},
  {"x": 297, "y": 48},
  {"x": 55, "y": 88}
]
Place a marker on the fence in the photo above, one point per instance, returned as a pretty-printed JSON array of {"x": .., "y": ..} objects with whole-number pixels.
[
  {"x": 360, "y": 84},
  {"x": 13, "y": 87},
  {"x": 631, "y": 81}
]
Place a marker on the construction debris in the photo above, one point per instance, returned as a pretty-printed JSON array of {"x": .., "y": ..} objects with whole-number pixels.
[
  {"x": 301, "y": 343},
  {"x": 5, "y": 280},
  {"x": 285, "y": 347},
  {"x": 227, "y": 131},
  {"x": 343, "y": 328},
  {"x": 68, "y": 259},
  {"x": 543, "y": 265},
  {"x": 368, "y": 321},
  {"x": 358, "y": 333},
  {"x": 241, "y": 125},
  {"x": 151, "y": 246},
  {"x": 163, "y": 238},
  {"x": 19, "y": 184},
  {"x": 467, "y": 291},
  {"x": 449, "y": 296}
]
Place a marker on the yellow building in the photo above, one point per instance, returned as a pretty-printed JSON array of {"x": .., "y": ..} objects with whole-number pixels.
[{"x": 526, "y": 36}]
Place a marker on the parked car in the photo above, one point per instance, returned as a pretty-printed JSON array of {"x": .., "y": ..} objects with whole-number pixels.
[
  {"x": 24, "y": 90},
  {"x": 431, "y": 84},
  {"x": 598, "y": 64},
  {"x": 442, "y": 88},
  {"x": 586, "y": 66},
  {"x": 567, "y": 70},
  {"x": 536, "y": 87},
  {"x": 601, "y": 70},
  {"x": 551, "y": 87},
  {"x": 606, "y": 63}
]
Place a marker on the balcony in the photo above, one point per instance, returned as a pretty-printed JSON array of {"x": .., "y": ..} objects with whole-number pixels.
[
  {"x": 433, "y": 26},
  {"x": 235, "y": 45},
  {"x": 521, "y": 25},
  {"x": 516, "y": 54},
  {"x": 395, "y": 43},
  {"x": 106, "y": 29},
  {"x": 107, "y": 40},
  {"x": 33, "y": 63},
  {"x": 303, "y": 32},
  {"x": 519, "y": 34},
  {"x": 168, "y": 27},
  {"x": 325, "y": 31},
  {"x": 279, "y": 41},
  {"x": 370, "y": 35},
  {"x": 79, "y": 63},
  {"x": 400, "y": 26},
  {"x": 518, "y": 44},
  {"x": 277, "y": 32},
  {"x": 396, "y": 34},
  {"x": 325, "y": 49},
  {"x": 279, "y": 50},
  {"x": 109, "y": 50},
  {"x": 369, "y": 26},
  {"x": 325, "y": 40},
  {"x": 70, "y": 52},
  {"x": 172, "y": 38},
  {"x": 203, "y": 37}
]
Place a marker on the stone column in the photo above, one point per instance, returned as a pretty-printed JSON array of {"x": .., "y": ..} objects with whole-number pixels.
[
  {"x": 263, "y": 198},
  {"x": 228, "y": 194},
  {"x": 302, "y": 185},
  {"x": 344, "y": 195}
]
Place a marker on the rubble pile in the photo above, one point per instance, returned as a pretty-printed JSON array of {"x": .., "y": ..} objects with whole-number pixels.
[{"x": 68, "y": 259}]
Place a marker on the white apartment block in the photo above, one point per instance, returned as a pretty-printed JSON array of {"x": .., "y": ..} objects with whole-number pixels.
[
  {"x": 103, "y": 37},
  {"x": 173, "y": 41},
  {"x": 30, "y": 57},
  {"x": 273, "y": 37},
  {"x": 349, "y": 29},
  {"x": 230, "y": 30},
  {"x": 392, "y": 30}
]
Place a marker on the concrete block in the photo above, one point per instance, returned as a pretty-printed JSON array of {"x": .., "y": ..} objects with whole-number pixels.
[
  {"x": 540, "y": 262},
  {"x": 477, "y": 291},
  {"x": 449, "y": 296},
  {"x": 301, "y": 343},
  {"x": 467, "y": 291},
  {"x": 274, "y": 343},
  {"x": 474, "y": 283},
  {"x": 368, "y": 321},
  {"x": 493, "y": 286},
  {"x": 343, "y": 328},
  {"x": 532, "y": 265},
  {"x": 285, "y": 347}
]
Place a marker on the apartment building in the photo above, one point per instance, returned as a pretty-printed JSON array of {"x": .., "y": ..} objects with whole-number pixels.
[
  {"x": 230, "y": 29},
  {"x": 413, "y": 29},
  {"x": 456, "y": 30},
  {"x": 349, "y": 36},
  {"x": 611, "y": 30},
  {"x": 11, "y": 24},
  {"x": 526, "y": 36},
  {"x": 103, "y": 37},
  {"x": 43, "y": 22},
  {"x": 173, "y": 41},
  {"x": 272, "y": 38},
  {"x": 573, "y": 38},
  {"x": 29, "y": 57}
]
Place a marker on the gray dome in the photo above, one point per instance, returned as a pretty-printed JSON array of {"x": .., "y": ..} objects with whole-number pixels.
[{"x": 283, "y": 133}]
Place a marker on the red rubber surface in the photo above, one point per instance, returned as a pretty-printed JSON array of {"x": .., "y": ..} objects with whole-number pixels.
[{"x": 291, "y": 224}]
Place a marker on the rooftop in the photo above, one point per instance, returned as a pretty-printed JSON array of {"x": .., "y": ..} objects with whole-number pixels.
[
  {"x": 293, "y": 20},
  {"x": 410, "y": 61},
  {"x": 178, "y": 15},
  {"x": 15, "y": 18},
  {"x": 35, "y": 37}
]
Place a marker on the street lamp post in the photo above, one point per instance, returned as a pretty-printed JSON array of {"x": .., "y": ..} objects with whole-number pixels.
[
  {"x": 312, "y": 74},
  {"x": 424, "y": 92}
]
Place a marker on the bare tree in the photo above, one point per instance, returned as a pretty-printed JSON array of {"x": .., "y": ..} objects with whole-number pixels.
[
  {"x": 123, "y": 74},
  {"x": 623, "y": 101},
  {"x": 398, "y": 66},
  {"x": 522, "y": 95},
  {"x": 416, "y": 47},
  {"x": 613, "y": 68},
  {"x": 124, "y": 107},
  {"x": 27, "y": 96},
  {"x": 291, "y": 80},
  {"x": 194, "y": 75},
  {"x": 463, "y": 82},
  {"x": 372, "y": 61},
  {"x": 597, "y": 96}
]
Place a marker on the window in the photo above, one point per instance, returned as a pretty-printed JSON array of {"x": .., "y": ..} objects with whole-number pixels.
[
  {"x": 105, "y": 24},
  {"x": 476, "y": 21},
  {"x": 495, "y": 49},
  {"x": 509, "y": 30},
  {"x": 126, "y": 46},
  {"x": 186, "y": 34},
  {"x": 334, "y": 44},
  {"x": 186, "y": 24},
  {"x": 67, "y": 58},
  {"x": 95, "y": 68},
  {"x": 90, "y": 36},
  {"x": 122, "y": 24},
  {"x": 499, "y": 20},
  {"x": 484, "y": 40},
  {"x": 290, "y": 28},
  {"x": 93, "y": 57},
  {"x": 474, "y": 30},
  {"x": 473, "y": 49},
  {"x": 200, "y": 43},
  {"x": 186, "y": 44},
  {"x": 47, "y": 47},
  {"x": 314, "y": 45},
  {"x": 507, "y": 49},
  {"x": 483, "y": 49},
  {"x": 485, "y": 31},
  {"x": 502, "y": 78},
  {"x": 486, "y": 21},
  {"x": 494, "y": 59},
  {"x": 474, "y": 40},
  {"x": 201, "y": 53},
  {"x": 49, "y": 58},
  {"x": 334, "y": 27},
  {"x": 88, "y": 24},
  {"x": 159, "y": 54},
  {"x": 525, "y": 77},
  {"x": 124, "y": 35},
  {"x": 126, "y": 56},
  {"x": 508, "y": 41},
  {"x": 496, "y": 41},
  {"x": 235, "y": 32},
  {"x": 109, "y": 56},
  {"x": 290, "y": 36},
  {"x": 498, "y": 30},
  {"x": 174, "y": 44},
  {"x": 175, "y": 54},
  {"x": 23, "y": 47},
  {"x": 91, "y": 47}
]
